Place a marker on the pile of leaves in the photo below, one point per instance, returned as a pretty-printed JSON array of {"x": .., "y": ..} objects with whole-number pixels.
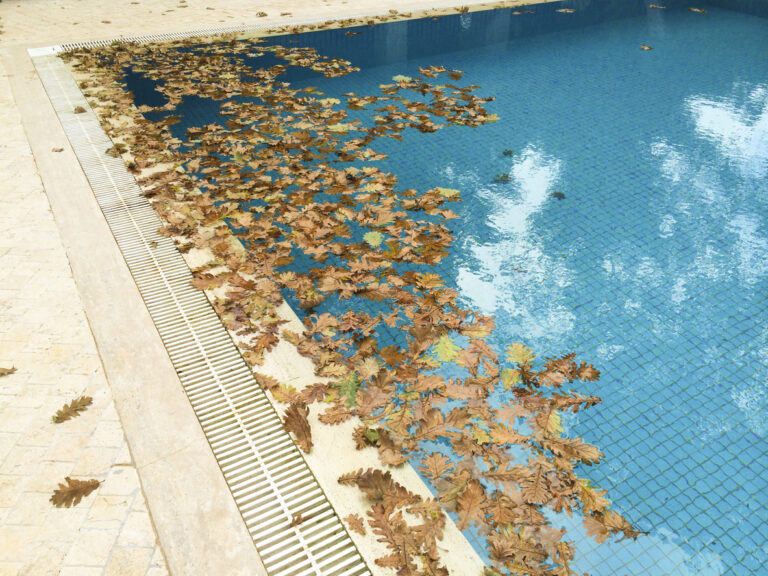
[{"x": 284, "y": 193}]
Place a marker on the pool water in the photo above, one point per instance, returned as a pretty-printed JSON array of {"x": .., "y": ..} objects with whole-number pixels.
[{"x": 632, "y": 229}]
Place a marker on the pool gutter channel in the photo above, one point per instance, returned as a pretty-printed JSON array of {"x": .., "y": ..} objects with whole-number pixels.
[
  {"x": 267, "y": 475},
  {"x": 280, "y": 27}
]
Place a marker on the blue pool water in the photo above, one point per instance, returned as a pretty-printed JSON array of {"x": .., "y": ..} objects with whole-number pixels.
[{"x": 652, "y": 263}]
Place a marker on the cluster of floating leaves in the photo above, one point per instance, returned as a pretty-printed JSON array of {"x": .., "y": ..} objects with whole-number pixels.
[{"x": 284, "y": 194}]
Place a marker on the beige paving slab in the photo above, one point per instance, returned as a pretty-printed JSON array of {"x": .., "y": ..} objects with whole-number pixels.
[{"x": 45, "y": 335}]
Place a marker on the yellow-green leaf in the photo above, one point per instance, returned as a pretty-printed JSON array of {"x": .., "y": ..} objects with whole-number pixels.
[
  {"x": 480, "y": 436},
  {"x": 510, "y": 378},
  {"x": 447, "y": 192},
  {"x": 373, "y": 238},
  {"x": 340, "y": 127},
  {"x": 519, "y": 353},
  {"x": 445, "y": 349},
  {"x": 401, "y": 78}
]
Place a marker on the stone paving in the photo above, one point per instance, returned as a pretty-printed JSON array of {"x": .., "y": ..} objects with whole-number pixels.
[{"x": 44, "y": 333}]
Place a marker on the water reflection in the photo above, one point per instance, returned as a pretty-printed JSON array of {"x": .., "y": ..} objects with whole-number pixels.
[
  {"x": 732, "y": 242},
  {"x": 738, "y": 125},
  {"x": 511, "y": 272}
]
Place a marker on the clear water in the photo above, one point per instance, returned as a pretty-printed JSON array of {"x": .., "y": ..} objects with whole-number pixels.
[{"x": 654, "y": 264}]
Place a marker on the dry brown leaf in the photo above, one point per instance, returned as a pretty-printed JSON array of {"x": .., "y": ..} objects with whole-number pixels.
[
  {"x": 355, "y": 523},
  {"x": 471, "y": 505},
  {"x": 72, "y": 492},
  {"x": 7, "y": 371},
  {"x": 72, "y": 410},
  {"x": 295, "y": 421}
]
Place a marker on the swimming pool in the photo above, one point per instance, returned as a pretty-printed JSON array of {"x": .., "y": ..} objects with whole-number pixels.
[{"x": 617, "y": 209}]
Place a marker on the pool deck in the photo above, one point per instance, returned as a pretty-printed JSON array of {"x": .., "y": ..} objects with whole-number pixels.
[{"x": 72, "y": 323}]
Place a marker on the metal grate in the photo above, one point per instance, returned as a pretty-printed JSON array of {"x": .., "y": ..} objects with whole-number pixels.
[{"x": 267, "y": 475}]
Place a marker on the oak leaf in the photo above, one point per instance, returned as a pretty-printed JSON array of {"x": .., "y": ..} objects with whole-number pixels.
[
  {"x": 265, "y": 381},
  {"x": 515, "y": 548},
  {"x": 519, "y": 353},
  {"x": 295, "y": 421},
  {"x": 72, "y": 410},
  {"x": 435, "y": 466},
  {"x": 446, "y": 350},
  {"x": 7, "y": 371},
  {"x": 379, "y": 487},
  {"x": 355, "y": 523},
  {"x": 348, "y": 389},
  {"x": 471, "y": 505},
  {"x": 335, "y": 415},
  {"x": 535, "y": 487},
  {"x": 72, "y": 492}
]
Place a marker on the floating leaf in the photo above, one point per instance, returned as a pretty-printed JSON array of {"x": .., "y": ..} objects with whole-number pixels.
[
  {"x": 510, "y": 378},
  {"x": 697, "y": 10},
  {"x": 446, "y": 350},
  {"x": 73, "y": 409},
  {"x": 435, "y": 466},
  {"x": 340, "y": 127},
  {"x": 520, "y": 354},
  {"x": 447, "y": 192},
  {"x": 401, "y": 78},
  {"x": 348, "y": 389},
  {"x": 642, "y": 47},
  {"x": 72, "y": 492},
  {"x": 373, "y": 238},
  {"x": 471, "y": 505},
  {"x": 566, "y": 10},
  {"x": 480, "y": 436}
]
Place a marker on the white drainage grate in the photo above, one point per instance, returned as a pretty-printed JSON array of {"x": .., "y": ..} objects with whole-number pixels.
[{"x": 267, "y": 475}]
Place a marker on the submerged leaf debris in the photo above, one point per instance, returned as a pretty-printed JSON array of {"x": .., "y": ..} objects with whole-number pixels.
[{"x": 283, "y": 194}]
